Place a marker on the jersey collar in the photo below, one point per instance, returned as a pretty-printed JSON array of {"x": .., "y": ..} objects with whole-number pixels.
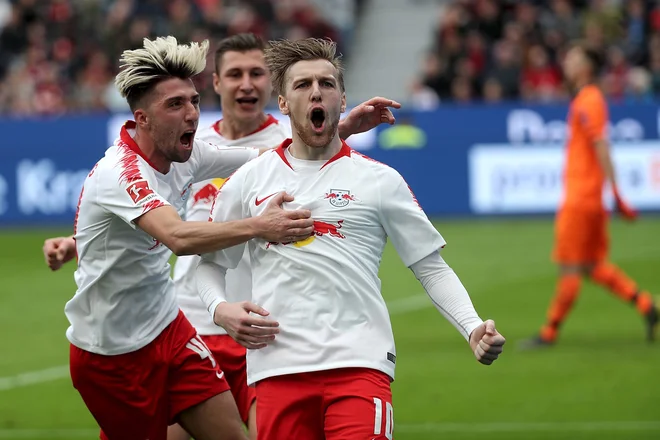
[
  {"x": 270, "y": 120},
  {"x": 344, "y": 151},
  {"x": 128, "y": 140}
]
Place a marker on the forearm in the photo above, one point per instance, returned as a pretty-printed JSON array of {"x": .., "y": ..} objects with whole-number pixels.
[
  {"x": 190, "y": 238},
  {"x": 343, "y": 131},
  {"x": 211, "y": 284},
  {"x": 605, "y": 160},
  {"x": 447, "y": 293}
]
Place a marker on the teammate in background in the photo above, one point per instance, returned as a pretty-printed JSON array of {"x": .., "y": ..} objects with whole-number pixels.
[
  {"x": 323, "y": 358},
  {"x": 581, "y": 239},
  {"x": 242, "y": 81},
  {"x": 135, "y": 359}
]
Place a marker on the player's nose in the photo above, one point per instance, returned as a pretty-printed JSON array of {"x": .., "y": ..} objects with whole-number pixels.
[
  {"x": 246, "y": 84},
  {"x": 316, "y": 92}
]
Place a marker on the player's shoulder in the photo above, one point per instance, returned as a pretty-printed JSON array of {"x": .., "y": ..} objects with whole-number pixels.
[
  {"x": 380, "y": 169},
  {"x": 120, "y": 164},
  {"x": 591, "y": 95},
  {"x": 210, "y": 135}
]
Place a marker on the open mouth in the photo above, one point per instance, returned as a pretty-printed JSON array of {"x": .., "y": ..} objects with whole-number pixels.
[
  {"x": 187, "y": 139},
  {"x": 249, "y": 100},
  {"x": 318, "y": 119}
]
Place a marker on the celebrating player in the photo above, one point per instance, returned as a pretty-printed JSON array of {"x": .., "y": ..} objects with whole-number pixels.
[
  {"x": 322, "y": 352},
  {"x": 581, "y": 241},
  {"x": 242, "y": 81},
  {"x": 137, "y": 362}
]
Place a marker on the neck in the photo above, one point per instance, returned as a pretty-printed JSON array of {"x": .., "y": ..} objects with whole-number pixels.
[
  {"x": 149, "y": 150},
  {"x": 233, "y": 129},
  {"x": 300, "y": 150},
  {"x": 582, "y": 82}
]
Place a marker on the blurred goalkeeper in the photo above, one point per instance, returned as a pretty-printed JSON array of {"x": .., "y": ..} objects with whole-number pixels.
[{"x": 581, "y": 239}]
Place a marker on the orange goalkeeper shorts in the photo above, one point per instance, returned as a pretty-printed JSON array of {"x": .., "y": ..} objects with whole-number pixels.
[{"x": 580, "y": 236}]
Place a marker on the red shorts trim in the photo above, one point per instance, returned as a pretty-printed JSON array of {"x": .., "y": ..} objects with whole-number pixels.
[
  {"x": 346, "y": 403},
  {"x": 137, "y": 395},
  {"x": 231, "y": 358},
  {"x": 580, "y": 236}
]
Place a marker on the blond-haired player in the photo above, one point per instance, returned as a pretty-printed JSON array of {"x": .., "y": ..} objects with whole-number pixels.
[{"x": 326, "y": 373}]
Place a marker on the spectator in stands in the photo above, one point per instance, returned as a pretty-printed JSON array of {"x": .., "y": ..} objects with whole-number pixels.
[
  {"x": 514, "y": 48},
  {"x": 541, "y": 80},
  {"x": 60, "y": 55}
]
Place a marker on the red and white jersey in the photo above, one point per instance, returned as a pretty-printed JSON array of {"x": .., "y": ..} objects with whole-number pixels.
[
  {"x": 239, "y": 280},
  {"x": 125, "y": 296},
  {"x": 325, "y": 291}
]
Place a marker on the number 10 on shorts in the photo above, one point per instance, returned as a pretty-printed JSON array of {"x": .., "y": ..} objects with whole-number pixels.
[{"x": 378, "y": 419}]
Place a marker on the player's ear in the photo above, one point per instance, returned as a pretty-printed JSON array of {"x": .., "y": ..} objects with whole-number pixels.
[
  {"x": 283, "y": 104},
  {"x": 141, "y": 118},
  {"x": 343, "y": 102},
  {"x": 216, "y": 83}
]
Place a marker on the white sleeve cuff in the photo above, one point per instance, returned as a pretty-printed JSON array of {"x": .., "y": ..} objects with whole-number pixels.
[
  {"x": 211, "y": 283},
  {"x": 447, "y": 293}
]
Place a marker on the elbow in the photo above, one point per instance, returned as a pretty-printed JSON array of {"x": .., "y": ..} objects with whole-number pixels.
[{"x": 180, "y": 247}]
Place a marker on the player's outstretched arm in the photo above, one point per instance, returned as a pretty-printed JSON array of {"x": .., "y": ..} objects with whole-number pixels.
[
  {"x": 453, "y": 301},
  {"x": 58, "y": 251},
  {"x": 250, "y": 331},
  {"x": 367, "y": 116},
  {"x": 189, "y": 238}
]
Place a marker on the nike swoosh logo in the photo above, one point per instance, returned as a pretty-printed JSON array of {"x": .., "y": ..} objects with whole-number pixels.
[
  {"x": 259, "y": 202},
  {"x": 220, "y": 375}
]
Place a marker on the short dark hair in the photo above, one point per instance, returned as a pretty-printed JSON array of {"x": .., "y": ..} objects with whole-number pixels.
[
  {"x": 594, "y": 57},
  {"x": 282, "y": 54},
  {"x": 237, "y": 43}
]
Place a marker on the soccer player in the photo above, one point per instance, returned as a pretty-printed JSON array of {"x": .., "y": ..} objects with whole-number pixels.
[
  {"x": 322, "y": 352},
  {"x": 242, "y": 81},
  {"x": 135, "y": 359},
  {"x": 581, "y": 240}
]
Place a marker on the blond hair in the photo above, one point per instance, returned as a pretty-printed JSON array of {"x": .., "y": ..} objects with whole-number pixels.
[
  {"x": 159, "y": 59},
  {"x": 282, "y": 54}
]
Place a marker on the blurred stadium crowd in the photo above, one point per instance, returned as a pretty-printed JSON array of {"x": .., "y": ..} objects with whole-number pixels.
[
  {"x": 494, "y": 50},
  {"x": 61, "y": 55}
]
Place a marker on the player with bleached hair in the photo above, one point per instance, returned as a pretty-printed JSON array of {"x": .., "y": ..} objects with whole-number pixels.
[{"x": 137, "y": 362}]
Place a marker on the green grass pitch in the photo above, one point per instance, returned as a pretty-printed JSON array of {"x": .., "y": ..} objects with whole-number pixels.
[{"x": 600, "y": 382}]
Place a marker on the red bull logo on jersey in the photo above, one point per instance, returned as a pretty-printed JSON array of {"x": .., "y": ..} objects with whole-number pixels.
[
  {"x": 320, "y": 229},
  {"x": 339, "y": 197},
  {"x": 206, "y": 194},
  {"x": 324, "y": 228}
]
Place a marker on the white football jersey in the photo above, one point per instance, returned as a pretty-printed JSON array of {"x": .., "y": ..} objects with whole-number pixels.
[
  {"x": 125, "y": 296},
  {"x": 239, "y": 280},
  {"x": 325, "y": 291}
]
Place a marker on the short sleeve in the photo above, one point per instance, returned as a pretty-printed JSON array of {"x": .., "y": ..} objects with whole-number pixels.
[
  {"x": 228, "y": 206},
  {"x": 593, "y": 116},
  {"x": 214, "y": 161},
  {"x": 128, "y": 190},
  {"x": 405, "y": 223}
]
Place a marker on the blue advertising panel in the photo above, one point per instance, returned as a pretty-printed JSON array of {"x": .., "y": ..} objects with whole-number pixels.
[{"x": 459, "y": 160}]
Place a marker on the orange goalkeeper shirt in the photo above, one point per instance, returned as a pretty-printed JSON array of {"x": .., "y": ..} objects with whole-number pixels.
[{"x": 583, "y": 174}]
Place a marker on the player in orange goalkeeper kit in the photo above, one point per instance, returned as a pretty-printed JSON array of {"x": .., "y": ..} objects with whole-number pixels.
[{"x": 581, "y": 239}]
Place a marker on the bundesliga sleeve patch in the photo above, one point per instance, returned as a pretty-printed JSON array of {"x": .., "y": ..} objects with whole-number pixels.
[{"x": 139, "y": 191}]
